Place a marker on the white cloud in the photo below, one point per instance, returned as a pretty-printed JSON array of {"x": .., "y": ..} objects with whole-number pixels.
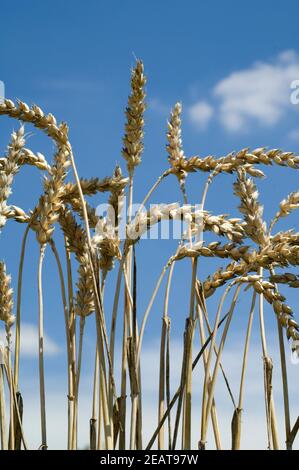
[
  {"x": 200, "y": 114},
  {"x": 261, "y": 92},
  {"x": 29, "y": 342},
  {"x": 157, "y": 105},
  {"x": 294, "y": 135}
]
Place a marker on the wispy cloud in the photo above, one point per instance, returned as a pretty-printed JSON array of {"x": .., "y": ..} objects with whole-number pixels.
[
  {"x": 294, "y": 135},
  {"x": 158, "y": 106},
  {"x": 70, "y": 85},
  {"x": 200, "y": 114},
  {"x": 257, "y": 95},
  {"x": 29, "y": 342},
  {"x": 254, "y": 434}
]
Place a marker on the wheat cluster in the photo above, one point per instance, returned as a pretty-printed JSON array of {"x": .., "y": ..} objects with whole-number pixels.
[{"x": 248, "y": 249}]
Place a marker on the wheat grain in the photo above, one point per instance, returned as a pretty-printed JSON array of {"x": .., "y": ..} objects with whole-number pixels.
[
  {"x": 107, "y": 243},
  {"x": 292, "y": 280},
  {"x": 116, "y": 198},
  {"x": 94, "y": 185},
  {"x": 9, "y": 169},
  {"x": 76, "y": 243},
  {"x": 200, "y": 220},
  {"x": 287, "y": 206},
  {"x": 246, "y": 190},
  {"x": 132, "y": 141},
  {"x": 84, "y": 305},
  {"x": 244, "y": 158},
  {"x": 6, "y": 298},
  {"x": 51, "y": 201},
  {"x": 35, "y": 116},
  {"x": 174, "y": 146}
]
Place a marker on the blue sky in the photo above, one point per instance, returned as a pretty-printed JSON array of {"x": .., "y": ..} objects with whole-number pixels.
[{"x": 231, "y": 65}]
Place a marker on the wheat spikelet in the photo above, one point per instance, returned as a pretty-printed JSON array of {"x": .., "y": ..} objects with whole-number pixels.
[
  {"x": 132, "y": 141},
  {"x": 94, "y": 185},
  {"x": 174, "y": 146},
  {"x": 286, "y": 206},
  {"x": 282, "y": 254},
  {"x": 74, "y": 233},
  {"x": 76, "y": 243},
  {"x": 27, "y": 157},
  {"x": 9, "y": 168},
  {"x": 106, "y": 239},
  {"x": 107, "y": 243},
  {"x": 76, "y": 206},
  {"x": 51, "y": 201},
  {"x": 6, "y": 298},
  {"x": 292, "y": 280},
  {"x": 214, "y": 249},
  {"x": 16, "y": 213},
  {"x": 244, "y": 158},
  {"x": 283, "y": 311},
  {"x": 35, "y": 116},
  {"x": 199, "y": 220},
  {"x": 233, "y": 228},
  {"x": 246, "y": 190},
  {"x": 116, "y": 198},
  {"x": 289, "y": 237},
  {"x": 84, "y": 304}
]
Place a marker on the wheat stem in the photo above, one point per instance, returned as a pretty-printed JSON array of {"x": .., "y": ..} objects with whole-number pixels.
[
  {"x": 3, "y": 430},
  {"x": 18, "y": 315},
  {"x": 204, "y": 356},
  {"x": 41, "y": 350},
  {"x": 237, "y": 418}
]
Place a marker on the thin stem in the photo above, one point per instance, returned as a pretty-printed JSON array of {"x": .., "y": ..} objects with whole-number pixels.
[
  {"x": 153, "y": 188},
  {"x": 189, "y": 341},
  {"x": 273, "y": 439},
  {"x": 115, "y": 311},
  {"x": 93, "y": 419},
  {"x": 68, "y": 343},
  {"x": 285, "y": 386},
  {"x": 98, "y": 301},
  {"x": 237, "y": 418},
  {"x": 168, "y": 383},
  {"x": 78, "y": 376},
  {"x": 165, "y": 329},
  {"x": 18, "y": 315},
  {"x": 15, "y": 401},
  {"x": 201, "y": 301},
  {"x": 181, "y": 388},
  {"x": 127, "y": 328},
  {"x": 41, "y": 350},
  {"x": 204, "y": 356},
  {"x": 70, "y": 331},
  {"x": 177, "y": 394},
  {"x": 208, "y": 397},
  {"x": 284, "y": 380},
  {"x": 122, "y": 401},
  {"x": 3, "y": 430},
  {"x": 148, "y": 310},
  {"x": 246, "y": 350},
  {"x": 100, "y": 415}
]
